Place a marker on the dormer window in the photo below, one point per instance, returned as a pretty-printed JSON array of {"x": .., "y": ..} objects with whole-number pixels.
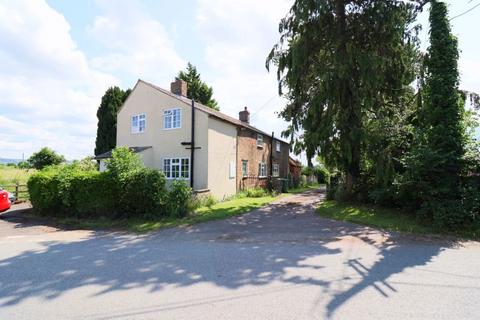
[
  {"x": 259, "y": 140},
  {"x": 139, "y": 123},
  {"x": 172, "y": 119}
]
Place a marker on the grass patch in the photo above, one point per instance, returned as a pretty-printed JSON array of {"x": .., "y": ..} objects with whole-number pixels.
[
  {"x": 10, "y": 176},
  {"x": 303, "y": 189},
  {"x": 388, "y": 219},
  {"x": 217, "y": 211}
]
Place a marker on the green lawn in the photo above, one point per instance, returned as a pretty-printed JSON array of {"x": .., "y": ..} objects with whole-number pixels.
[
  {"x": 388, "y": 219},
  {"x": 303, "y": 189},
  {"x": 218, "y": 211}
]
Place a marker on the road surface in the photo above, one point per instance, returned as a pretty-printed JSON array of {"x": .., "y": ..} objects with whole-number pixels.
[{"x": 279, "y": 262}]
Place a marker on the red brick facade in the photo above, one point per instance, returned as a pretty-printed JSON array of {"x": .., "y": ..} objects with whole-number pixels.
[{"x": 247, "y": 150}]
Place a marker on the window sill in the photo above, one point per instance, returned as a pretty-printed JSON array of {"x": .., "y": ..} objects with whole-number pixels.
[{"x": 168, "y": 129}]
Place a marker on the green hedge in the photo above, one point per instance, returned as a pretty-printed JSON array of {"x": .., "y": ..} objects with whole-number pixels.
[{"x": 126, "y": 190}]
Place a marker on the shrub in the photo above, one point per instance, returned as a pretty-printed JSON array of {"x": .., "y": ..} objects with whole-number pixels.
[
  {"x": 254, "y": 193},
  {"x": 142, "y": 193},
  {"x": 123, "y": 163},
  {"x": 323, "y": 175},
  {"x": 179, "y": 199},
  {"x": 198, "y": 201},
  {"x": 43, "y": 190},
  {"x": 91, "y": 194}
]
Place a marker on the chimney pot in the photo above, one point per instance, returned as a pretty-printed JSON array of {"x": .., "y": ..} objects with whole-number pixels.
[
  {"x": 179, "y": 87},
  {"x": 244, "y": 115}
]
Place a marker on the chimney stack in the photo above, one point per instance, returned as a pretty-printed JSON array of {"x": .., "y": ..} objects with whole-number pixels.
[
  {"x": 244, "y": 115},
  {"x": 179, "y": 87}
]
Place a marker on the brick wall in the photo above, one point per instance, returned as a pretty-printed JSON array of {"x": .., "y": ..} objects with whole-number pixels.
[{"x": 247, "y": 149}]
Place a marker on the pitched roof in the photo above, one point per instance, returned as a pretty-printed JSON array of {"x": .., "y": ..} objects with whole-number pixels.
[
  {"x": 210, "y": 111},
  {"x": 108, "y": 154}
]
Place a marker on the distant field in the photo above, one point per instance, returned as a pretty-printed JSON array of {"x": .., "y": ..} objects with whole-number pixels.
[{"x": 10, "y": 176}]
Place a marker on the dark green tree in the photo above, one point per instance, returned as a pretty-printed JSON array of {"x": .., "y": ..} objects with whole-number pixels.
[
  {"x": 45, "y": 157},
  {"x": 112, "y": 100},
  {"x": 437, "y": 161},
  {"x": 341, "y": 63},
  {"x": 196, "y": 88}
]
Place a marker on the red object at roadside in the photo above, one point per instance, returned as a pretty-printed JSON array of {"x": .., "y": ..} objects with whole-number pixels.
[{"x": 4, "y": 201}]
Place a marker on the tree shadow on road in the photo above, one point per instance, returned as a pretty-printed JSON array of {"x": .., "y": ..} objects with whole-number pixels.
[{"x": 253, "y": 250}]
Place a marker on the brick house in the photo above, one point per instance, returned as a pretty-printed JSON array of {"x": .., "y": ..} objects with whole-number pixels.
[{"x": 218, "y": 154}]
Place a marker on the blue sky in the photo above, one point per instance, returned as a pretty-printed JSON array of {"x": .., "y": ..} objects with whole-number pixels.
[{"x": 58, "y": 57}]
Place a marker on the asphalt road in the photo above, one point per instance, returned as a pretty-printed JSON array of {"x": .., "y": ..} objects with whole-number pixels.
[{"x": 280, "y": 262}]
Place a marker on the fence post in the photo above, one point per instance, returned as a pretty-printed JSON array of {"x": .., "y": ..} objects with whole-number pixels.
[{"x": 16, "y": 191}]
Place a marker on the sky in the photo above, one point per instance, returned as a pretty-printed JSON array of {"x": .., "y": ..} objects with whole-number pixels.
[{"x": 58, "y": 57}]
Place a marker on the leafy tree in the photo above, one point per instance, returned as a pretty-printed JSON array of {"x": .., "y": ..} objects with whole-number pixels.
[
  {"x": 45, "y": 157},
  {"x": 342, "y": 63},
  {"x": 23, "y": 165},
  {"x": 112, "y": 100},
  {"x": 196, "y": 88},
  {"x": 437, "y": 165}
]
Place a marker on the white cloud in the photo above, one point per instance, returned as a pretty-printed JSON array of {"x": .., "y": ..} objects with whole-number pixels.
[
  {"x": 139, "y": 45},
  {"x": 49, "y": 91},
  {"x": 239, "y": 36}
]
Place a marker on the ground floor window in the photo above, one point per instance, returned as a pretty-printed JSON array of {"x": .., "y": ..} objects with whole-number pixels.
[
  {"x": 262, "y": 170},
  {"x": 276, "y": 170},
  {"x": 244, "y": 168},
  {"x": 176, "y": 168}
]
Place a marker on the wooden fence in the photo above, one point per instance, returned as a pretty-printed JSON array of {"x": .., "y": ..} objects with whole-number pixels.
[{"x": 19, "y": 190}]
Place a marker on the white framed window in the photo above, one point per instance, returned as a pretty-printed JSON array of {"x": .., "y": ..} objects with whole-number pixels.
[
  {"x": 172, "y": 119},
  {"x": 259, "y": 140},
  {"x": 276, "y": 170},
  {"x": 233, "y": 169},
  {"x": 176, "y": 168},
  {"x": 139, "y": 123},
  {"x": 277, "y": 146},
  {"x": 244, "y": 168},
  {"x": 262, "y": 170}
]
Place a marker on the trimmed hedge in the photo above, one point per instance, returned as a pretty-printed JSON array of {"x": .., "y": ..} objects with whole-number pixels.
[{"x": 129, "y": 190}]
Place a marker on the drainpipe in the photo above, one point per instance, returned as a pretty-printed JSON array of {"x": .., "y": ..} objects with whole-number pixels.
[
  {"x": 271, "y": 156},
  {"x": 192, "y": 150}
]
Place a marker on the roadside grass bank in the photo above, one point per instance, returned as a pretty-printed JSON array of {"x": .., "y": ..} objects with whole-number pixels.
[
  {"x": 220, "y": 210},
  {"x": 388, "y": 219}
]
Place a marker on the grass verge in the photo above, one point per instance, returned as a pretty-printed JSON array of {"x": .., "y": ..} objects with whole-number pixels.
[
  {"x": 217, "y": 211},
  {"x": 388, "y": 219}
]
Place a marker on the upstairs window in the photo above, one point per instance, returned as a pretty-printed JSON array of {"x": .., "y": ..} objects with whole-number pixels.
[
  {"x": 276, "y": 170},
  {"x": 259, "y": 140},
  {"x": 262, "y": 170},
  {"x": 277, "y": 146},
  {"x": 139, "y": 123},
  {"x": 172, "y": 119}
]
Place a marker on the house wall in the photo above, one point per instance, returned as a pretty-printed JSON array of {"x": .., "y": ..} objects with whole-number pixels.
[
  {"x": 222, "y": 137},
  {"x": 248, "y": 150},
  {"x": 165, "y": 143}
]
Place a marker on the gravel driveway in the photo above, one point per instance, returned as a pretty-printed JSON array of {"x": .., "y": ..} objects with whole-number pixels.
[{"x": 278, "y": 262}]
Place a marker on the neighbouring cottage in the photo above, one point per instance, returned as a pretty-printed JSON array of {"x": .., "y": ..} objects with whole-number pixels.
[{"x": 218, "y": 154}]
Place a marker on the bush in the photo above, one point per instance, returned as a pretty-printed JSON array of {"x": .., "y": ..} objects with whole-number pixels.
[
  {"x": 254, "y": 193},
  {"x": 323, "y": 175},
  {"x": 43, "y": 190},
  {"x": 143, "y": 193},
  {"x": 179, "y": 199}
]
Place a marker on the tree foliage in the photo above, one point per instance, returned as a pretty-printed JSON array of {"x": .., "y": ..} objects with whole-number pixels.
[
  {"x": 45, "y": 157},
  {"x": 196, "y": 88},
  {"x": 437, "y": 163},
  {"x": 112, "y": 100},
  {"x": 343, "y": 63}
]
